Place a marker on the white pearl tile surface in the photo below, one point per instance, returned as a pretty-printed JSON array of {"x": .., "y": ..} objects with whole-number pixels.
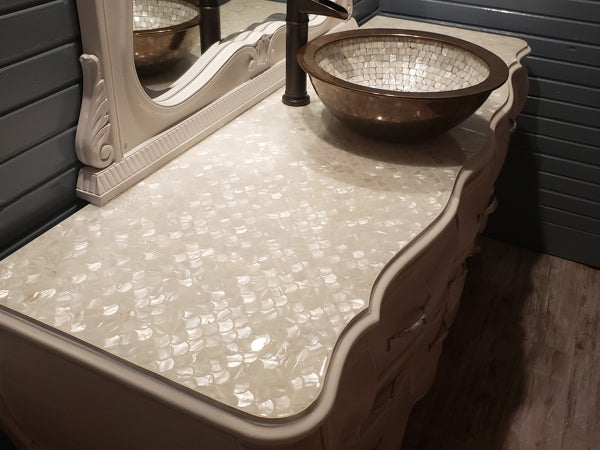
[
  {"x": 402, "y": 63},
  {"x": 234, "y": 268}
]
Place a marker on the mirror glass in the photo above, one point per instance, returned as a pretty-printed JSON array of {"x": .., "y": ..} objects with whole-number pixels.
[{"x": 167, "y": 34}]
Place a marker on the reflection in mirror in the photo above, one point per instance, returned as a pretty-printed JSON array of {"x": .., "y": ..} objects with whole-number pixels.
[
  {"x": 123, "y": 134},
  {"x": 167, "y": 34},
  {"x": 165, "y": 39}
]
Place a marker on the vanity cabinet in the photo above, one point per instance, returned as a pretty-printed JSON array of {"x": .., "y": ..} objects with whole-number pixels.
[{"x": 281, "y": 285}]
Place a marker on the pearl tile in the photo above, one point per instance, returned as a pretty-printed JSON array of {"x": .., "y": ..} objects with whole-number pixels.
[
  {"x": 402, "y": 63},
  {"x": 234, "y": 268}
]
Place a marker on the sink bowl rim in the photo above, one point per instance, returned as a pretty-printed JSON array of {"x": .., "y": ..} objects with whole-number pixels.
[{"x": 498, "y": 71}]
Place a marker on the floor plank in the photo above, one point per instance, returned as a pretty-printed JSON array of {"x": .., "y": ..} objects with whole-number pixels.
[{"x": 520, "y": 367}]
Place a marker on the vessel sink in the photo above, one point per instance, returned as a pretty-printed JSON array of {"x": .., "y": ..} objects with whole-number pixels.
[{"x": 400, "y": 84}]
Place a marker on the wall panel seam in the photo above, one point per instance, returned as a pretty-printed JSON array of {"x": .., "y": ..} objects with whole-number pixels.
[
  {"x": 50, "y": 92},
  {"x": 584, "y": 233},
  {"x": 41, "y": 183},
  {"x": 572, "y": 124},
  {"x": 31, "y": 5}
]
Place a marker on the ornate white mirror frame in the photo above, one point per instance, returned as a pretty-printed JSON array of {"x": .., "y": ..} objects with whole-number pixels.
[{"x": 123, "y": 135}]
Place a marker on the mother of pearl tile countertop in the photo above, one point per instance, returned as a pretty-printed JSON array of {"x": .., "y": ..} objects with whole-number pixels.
[{"x": 233, "y": 269}]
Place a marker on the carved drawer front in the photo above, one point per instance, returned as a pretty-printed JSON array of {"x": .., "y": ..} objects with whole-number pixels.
[
  {"x": 355, "y": 396},
  {"x": 384, "y": 427},
  {"x": 454, "y": 293},
  {"x": 413, "y": 301},
  {"x": 489, "y": 209},
  {"x": 471, "y": 212},
  {"x": 387, "y": 417}
]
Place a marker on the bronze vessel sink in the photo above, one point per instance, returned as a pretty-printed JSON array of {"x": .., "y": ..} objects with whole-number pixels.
[
  {"x": 400, "y": 84},
  {"x": 164, "y": 33}
]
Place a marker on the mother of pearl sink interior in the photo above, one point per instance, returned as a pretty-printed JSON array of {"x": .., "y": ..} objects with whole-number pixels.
[{"x": 403, "y": 63}]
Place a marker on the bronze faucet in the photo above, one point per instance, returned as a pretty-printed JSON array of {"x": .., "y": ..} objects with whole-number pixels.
[
  {"x": 210, "y": 23},
  {"x": 296, "y": 35}
]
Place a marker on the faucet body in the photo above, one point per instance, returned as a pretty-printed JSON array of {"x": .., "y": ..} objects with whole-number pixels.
[
  {"x": 210, "y": 23},
  {"x": 296, "y": 35}
]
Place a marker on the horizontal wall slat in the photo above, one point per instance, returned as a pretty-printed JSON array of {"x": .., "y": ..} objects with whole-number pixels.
[
  {"x": 534, "y": 196},
  {"x": 34, "y": 30},
  {"x": 48, "y": 223},
  {"x": 563, "y": 182},
  {"x": 541, "y": 46},
  {"x": 569, "y": 186},
  {"x": 502, "y": 19},
  {"x": 573, "y": 9},
  {"x": 519, "y": 163},
  {"x": 35, "y": 166},
  {"x": 558, "y": 129},
  {"x": 583, "y": 75},
  {"x": 553, "y": 239},
  {"x": 39, "y": 121},
  {"x": 530, "y": 213},
  {"x": 570, "y": 220},
  {"x": 33, "y": 209},
  {"x": 7, "y": 6},
  {"x": 39, "y": 75},
  {"x": 526, "y": 143},
  {"x": 558, "y": 90},
  {"x": 575, "y": 52},
  {"x": 567, "y": 203},
  {"x": 563, "y": 111}
]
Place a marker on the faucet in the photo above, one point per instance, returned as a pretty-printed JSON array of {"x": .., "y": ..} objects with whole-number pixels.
[
  {"x": 296, "y": 35},
  {"x": 210, "y": 23}
]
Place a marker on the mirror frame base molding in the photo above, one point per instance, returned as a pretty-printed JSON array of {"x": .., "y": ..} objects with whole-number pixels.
[
  {"x": 98, "y": 186},
  {"x": 123, "y": 135}
]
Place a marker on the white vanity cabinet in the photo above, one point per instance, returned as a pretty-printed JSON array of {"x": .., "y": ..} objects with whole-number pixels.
[{"x": 283, "y": 284}]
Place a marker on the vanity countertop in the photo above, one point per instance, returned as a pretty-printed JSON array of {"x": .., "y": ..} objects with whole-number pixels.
[{"x": 234, "y": 268}]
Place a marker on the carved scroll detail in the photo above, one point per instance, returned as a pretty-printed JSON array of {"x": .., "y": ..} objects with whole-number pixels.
[
  {"x": 92, "y": 141},
  {"x": 264, "y": 54}
]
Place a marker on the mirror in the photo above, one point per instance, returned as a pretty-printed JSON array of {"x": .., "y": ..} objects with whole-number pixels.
[
  {"x": 169, "y": 36},
  {"x": 124, "y": 134}
]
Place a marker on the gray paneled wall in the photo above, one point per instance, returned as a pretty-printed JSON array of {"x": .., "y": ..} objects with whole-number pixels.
[
  {"x": 40, "y": 83},
  {"x": 549, "y": 189}
]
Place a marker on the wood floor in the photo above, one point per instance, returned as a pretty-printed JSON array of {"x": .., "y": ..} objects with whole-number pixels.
[{"x": 520, "y": 368}]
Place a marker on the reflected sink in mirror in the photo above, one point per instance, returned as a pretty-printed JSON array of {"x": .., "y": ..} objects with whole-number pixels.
[
  {"x": 166, "y": 35},
  {"x": 400, "y": 84},
  {"x": 127, "y": 128}
]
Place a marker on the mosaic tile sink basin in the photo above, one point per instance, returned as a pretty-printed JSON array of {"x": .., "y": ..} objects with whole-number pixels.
[{"x": 400, "y": 84}]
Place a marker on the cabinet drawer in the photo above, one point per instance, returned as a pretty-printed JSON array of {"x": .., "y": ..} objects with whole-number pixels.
[
  {"x": 389, "y": 415},
  {"x": 454, "y": 294},
  {"x": 413, "y": 299},
  {"x": 475, "y": 201}
]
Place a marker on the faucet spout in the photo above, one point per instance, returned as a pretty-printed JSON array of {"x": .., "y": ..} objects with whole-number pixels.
[
  {"x": 296, "y": 36},
  {"x": 299, "y": 8}
]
